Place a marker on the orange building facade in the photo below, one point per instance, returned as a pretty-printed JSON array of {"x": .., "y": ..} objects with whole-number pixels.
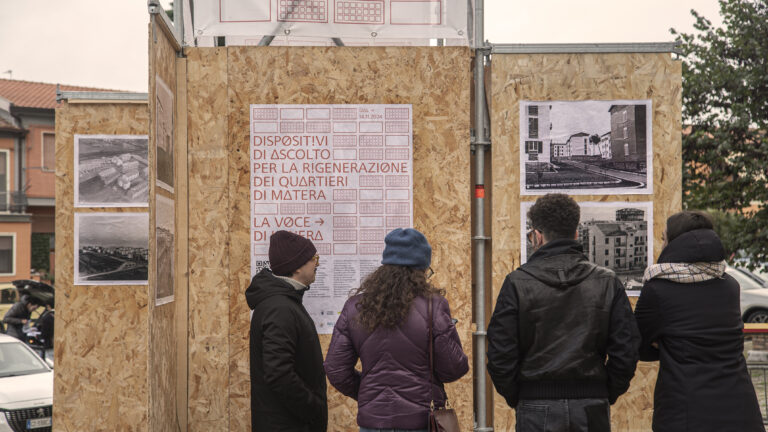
[{"x": 27, "y": 179}]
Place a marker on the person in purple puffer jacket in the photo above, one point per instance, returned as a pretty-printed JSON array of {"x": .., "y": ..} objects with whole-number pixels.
[{"x": 385, "y": 325}]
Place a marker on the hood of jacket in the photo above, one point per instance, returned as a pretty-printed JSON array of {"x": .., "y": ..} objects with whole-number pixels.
[
  {"x": 559, "y": 264},
  {"x": 265, "y": 285},
  {"x": 702, "y": 245}
]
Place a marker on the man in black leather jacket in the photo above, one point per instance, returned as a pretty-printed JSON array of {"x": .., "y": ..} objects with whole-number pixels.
[{"x": 562, "y": 341}]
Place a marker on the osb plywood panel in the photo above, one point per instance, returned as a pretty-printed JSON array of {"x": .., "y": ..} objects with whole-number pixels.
[
  {"x": 437, "y": 83},
  {"x": 163, "y": 368},
  {"x": 581, "y": 77},
  {"x": 181, "y": 279},
  {"x": 208, "y": 205},
  {"x": 101, "y": 331}
]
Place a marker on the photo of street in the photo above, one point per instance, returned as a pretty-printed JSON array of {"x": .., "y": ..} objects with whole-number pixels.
[
  {"x": 615, "y": 235},
  {"x": 111, "y": 170},
  {"x": 111, "y": 248},
  {"x": 164, "y": 238},
  {"x": 586, "y": 147}
]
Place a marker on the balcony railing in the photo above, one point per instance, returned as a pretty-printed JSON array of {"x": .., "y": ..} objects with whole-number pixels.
[{"x": 13, "y": 202}]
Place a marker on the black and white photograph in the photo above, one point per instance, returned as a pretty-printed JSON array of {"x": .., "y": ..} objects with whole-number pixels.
[
  {"x": 164, "y": 134},
  {"x": 616, "y": 235},
  {"x": 111, "y": 248},
  {"x": 586, "y": 147},
  {"x": 111, "y": 171},
  {"x": 164, "y": 252}
]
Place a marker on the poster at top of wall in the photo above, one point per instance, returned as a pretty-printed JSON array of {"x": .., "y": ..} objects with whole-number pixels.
[
  {"x": 357, "y": 19},
  {"x": 616, "y": 235},
  {"x": 586, "y": 147},
  {"x": 339, "y": 175}
]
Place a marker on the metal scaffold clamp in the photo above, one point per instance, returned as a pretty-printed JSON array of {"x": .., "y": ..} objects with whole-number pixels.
[{"x": 154, "y": 7}]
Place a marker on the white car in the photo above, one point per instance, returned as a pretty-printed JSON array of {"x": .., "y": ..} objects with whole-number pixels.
[
  {"x": 26, "y": 388},
  {"x": 754, "y": 295}
]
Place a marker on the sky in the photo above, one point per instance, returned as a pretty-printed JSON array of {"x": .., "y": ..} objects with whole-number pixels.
[
  {"x": 103, "y": 44},
  {"x": 113, "y": 230}
]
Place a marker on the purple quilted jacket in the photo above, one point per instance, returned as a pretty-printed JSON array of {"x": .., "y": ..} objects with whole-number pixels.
[{"x": 392, "y": 391}]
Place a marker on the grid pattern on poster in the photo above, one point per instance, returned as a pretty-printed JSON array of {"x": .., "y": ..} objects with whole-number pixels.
[
  {"x": 303, "y": 11},
  {"x": 359, "y": 12}
]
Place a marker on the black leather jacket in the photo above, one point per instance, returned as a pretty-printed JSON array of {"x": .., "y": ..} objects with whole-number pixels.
[{"x": 557, "y": 319}]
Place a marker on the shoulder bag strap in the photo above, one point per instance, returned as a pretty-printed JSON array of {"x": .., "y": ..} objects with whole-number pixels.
[{"x": 431, "y": 355}]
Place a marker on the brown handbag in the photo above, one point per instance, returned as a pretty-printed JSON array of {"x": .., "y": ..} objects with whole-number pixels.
[{"x": 440, "y": 419}]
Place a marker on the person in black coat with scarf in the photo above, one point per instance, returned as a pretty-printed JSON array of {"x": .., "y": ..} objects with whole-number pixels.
[
  {"x": 690, "y": 321},
  {"x": 288, "y": 389}
]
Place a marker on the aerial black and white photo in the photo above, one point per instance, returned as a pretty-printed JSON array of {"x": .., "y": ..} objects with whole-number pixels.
[
  {"x": 111, "y": 248},
  {"x": 586, "y": 147},
  {"x": 164, "y": 252},
  {"x": 111, "y": 171},
  {"x": 616, "y": 235},
  {"x": 164, "y": 134}
]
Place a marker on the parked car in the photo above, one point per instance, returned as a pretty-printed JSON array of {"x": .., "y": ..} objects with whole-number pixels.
[
  {"x": 26, "y": 388},
  {"x": 754, "y": 295}
]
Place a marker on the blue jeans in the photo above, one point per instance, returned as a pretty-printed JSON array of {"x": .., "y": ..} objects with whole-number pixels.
[
  {"x": 365, "y": 429},
  {"x": 563, "y": 415}
]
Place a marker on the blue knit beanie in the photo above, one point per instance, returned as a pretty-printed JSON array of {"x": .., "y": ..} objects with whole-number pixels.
[{"x": 407, "y": 247}]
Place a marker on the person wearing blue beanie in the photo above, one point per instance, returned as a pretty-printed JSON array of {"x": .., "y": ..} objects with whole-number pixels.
[
  {"x": 386, "y": 325},
  {"x": 407, "y": 247}
]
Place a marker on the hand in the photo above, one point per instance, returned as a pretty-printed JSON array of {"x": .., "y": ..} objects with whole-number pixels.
[
  {"x": 655, "y": 345},
  {"x": 23, "y": 321}
]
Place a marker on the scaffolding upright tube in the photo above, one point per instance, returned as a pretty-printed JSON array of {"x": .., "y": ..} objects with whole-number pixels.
[{"x": 480, "y": 141}]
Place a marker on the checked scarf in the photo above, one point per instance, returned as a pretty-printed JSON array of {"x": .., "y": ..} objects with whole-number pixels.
[{"x": 685, "y": 272}]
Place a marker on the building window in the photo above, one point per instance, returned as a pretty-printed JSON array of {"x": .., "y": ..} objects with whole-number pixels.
[
  {"x": 606, "y": 262},
  {"x": 533, "y": 110},
  {"x": 7, "y": 253},
  {"x": 618, "y": 262},
  {"x": 4, "y": 180},
  {"x": 606, "y": 251},
  {"x": 624, "y": 116},
  {"x": 626, "y": 149},
  {"x": 607, "y": 240},
  {"x": 533, "y": 127},
  {"x": 626, "y": 132},
  {"x": 49, "y": 152},
  {"x": 534, "y": 146}
]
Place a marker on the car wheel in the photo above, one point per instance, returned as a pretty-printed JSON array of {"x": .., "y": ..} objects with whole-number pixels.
[{"x": 757, "y": 316}]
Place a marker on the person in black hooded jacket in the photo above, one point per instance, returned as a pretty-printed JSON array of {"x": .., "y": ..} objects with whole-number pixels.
[
  {"x": 288, "y": 389},
  {"x": 562, "y": 341},
  {"x": 690, "y": 320}
]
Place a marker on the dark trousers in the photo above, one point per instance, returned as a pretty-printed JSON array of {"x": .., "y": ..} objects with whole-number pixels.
[{"x": 563, "y": 415}]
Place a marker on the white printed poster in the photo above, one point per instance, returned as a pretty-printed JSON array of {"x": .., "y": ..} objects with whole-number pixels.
[
  {"x": 345, "y": 19},
  {"x": 339, "y": 175}
]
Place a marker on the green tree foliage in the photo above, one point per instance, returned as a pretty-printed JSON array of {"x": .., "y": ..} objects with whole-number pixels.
[{"x": 725, "y": 105}]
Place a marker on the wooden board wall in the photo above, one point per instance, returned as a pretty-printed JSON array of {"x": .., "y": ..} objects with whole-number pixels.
[
  {"x": 222, "y": 83},
  {"x": 582, "y": 77},
  {"x": 100, "y": 349},
  {"x": 165, "y": 413}
]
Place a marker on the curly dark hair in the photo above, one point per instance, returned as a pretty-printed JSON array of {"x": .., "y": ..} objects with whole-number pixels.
[
  {"x": 387, "y": 294},
  {"x": 556, "y": 216}
]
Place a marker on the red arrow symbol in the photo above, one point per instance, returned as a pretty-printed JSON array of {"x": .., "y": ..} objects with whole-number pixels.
[{"x": 320, "y": 221}]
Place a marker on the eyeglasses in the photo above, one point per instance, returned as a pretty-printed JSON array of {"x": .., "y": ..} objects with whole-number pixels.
[
  {"x": 429, "y": 272},
  {"x": 530, "y": 234}
]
